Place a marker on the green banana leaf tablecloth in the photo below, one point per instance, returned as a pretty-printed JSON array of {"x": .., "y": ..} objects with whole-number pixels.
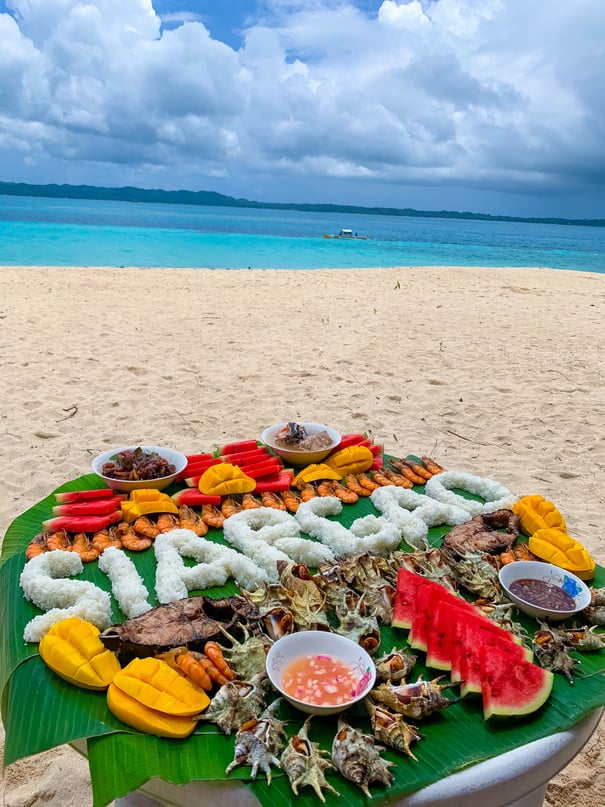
[{"x": 41, "y": 711}]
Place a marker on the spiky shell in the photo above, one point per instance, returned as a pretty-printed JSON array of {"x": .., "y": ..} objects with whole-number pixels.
[
  {"x": 357, "y": 757},
  {"x": 258, "y": 741},
  {"x": 236, "y": 702},
  {"x": 303, "y": 763}
]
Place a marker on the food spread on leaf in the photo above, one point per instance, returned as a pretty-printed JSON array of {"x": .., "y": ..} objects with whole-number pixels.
[{"x": 238, "y": 513}]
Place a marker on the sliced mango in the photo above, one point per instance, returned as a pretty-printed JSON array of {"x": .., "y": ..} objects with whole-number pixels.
[
  {"x": 351, "y": 460},
  {"x": 73, "y": 650},
  {"x": 154, "y": 684},
  {"x": 149, "y": 721}
]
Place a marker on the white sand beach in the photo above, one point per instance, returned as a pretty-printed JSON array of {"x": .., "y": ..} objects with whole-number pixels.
[{"x": 497, "y": 372}]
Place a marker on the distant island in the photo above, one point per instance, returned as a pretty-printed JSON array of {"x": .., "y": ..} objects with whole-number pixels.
[{"x": 129, "y": 194}]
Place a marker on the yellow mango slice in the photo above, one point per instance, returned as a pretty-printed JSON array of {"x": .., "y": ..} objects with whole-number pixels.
[
  {"x": 148, "y": 495},
  {"x": 314, "y": 472},
  {"x": 73, "y": 650},
  {"x": 562, "y": 550},
  {"x": 132, "y": 510},
  {"x": 351, "y": 460},
  {"x": 140, "y": 717},
  {"x": 536, "y": 513},
  {"x": 224, "y": 479},
  {"x": 154, "y": 684}
]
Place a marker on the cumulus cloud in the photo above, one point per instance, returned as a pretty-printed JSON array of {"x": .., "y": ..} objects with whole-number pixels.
[{"x": 486, "y": 94}]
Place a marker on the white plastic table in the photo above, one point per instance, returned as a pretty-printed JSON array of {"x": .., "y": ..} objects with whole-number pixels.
[{"x": 518, "y": 778}]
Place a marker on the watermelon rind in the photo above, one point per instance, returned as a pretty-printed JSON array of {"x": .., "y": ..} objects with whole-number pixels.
[{"x": 512, "y": 690}]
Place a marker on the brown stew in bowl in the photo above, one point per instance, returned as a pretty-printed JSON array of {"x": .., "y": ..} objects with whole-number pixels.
[{"x": 542, "y": 594}]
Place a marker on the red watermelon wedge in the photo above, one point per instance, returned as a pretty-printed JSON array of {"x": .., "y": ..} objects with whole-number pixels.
[
  {"x": 404, "y": 606},
  {"x": 472, "y": 633},
  {"x": 440, "y": 638},
  {"x": 511, "y": 690},
  {"x": 429, "y": 596}
]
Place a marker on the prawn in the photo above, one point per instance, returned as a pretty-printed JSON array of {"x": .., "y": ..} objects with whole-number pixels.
[
  {"x": 58, "y": 540},
  {"x": 397, "y": 479},
  {"x": 270, "y": 499},
  {"x": 419, "y": 470},
  {"x": 432, "y": 466},
  {"x": 307, "y": 492},
  {"x": 167, "y": 522},
  {"x": 145, "y": 526},
  {"x": 324, "y": 488},
  {"x": 215, "y": 653},
  {"x": 230, "y": 506},
  {"x": 343, "y": 493},
  {"x": 353, "y": 485},
  {"x": 190, "y": 520},
  {"x": 250, "y": 502},
  {"x": 212, "y": 516},
  {"x": 36, "y": 546},
  {"x": 367, "y": 483},
  {"x": 184, "y": 661},
  {"x": 380, "y": 478},
  {"x": 103, "y": 539},
  {"x": 291, "y": 500},
  {"x": 83, "y": 546},
  {"x": 130, "y": 539},
  {"x": 407, "y": 472}
]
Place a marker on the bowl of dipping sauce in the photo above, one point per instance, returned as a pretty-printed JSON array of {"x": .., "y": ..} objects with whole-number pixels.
[
  {"x": 301, "y": 442},
  {"x": 139, "y": 467},
  {"x": 544, "y": 591},
  {"x": 319, "y": 672}
]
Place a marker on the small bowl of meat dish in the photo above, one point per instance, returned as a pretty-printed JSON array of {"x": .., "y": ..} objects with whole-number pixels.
[
  {"x": 302, "y": 442},
  {"x": 319, "y": 672},
  {"x": 543, "y": 590},
  {"x": 136, "y": 467}
]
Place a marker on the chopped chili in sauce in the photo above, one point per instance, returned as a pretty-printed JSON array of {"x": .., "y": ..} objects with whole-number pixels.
[{"x": 320, "y": 680}]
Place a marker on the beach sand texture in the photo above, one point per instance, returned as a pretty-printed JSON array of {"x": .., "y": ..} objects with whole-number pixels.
[{"x": 496, "y": 372}]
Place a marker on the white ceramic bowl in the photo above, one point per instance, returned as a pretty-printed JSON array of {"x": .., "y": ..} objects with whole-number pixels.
[
  {"x": 319, "y": 642},
  {"x": 294, "y": 456},
  {"x": 174, "y": 458},
  {"x": 537, "y": 570}
]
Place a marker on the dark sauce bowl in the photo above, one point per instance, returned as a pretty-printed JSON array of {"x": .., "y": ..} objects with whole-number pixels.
[{"x": 547, "y": 573}]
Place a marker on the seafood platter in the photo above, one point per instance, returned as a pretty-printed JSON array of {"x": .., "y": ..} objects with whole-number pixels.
[{"x": 336, "y": 627}]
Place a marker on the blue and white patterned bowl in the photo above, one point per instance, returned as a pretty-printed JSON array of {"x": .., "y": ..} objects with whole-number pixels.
[{"x": 537, "y": 570}]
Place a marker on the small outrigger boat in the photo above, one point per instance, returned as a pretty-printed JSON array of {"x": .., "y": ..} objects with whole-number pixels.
[{"x": 348, "y": 234}]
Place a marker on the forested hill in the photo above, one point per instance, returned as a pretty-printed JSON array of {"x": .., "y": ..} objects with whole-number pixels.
[{"x": 128, "y": 194}]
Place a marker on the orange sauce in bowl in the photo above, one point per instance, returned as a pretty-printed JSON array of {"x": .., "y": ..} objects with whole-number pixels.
[{"x": 321, "y": 680}]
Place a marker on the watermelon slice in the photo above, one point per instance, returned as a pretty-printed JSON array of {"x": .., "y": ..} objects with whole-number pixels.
[
  {"x": 193, "y": 497},
  {"x": 440, "y": 637},
  {"x": 428, "y": 595},
  {"x": 511, "y": 689},
  {"x": 404, "y": 606},
  {"x": 81, "y": 495},
  {"x": 81, "y": 523},
  {"x": 90, "y": 507},
  {"x": 472, "y": 634},
  {"x": 275, "y": 482}
]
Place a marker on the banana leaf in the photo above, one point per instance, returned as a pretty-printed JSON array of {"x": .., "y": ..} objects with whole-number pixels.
[{"x": 40, "y": 710}]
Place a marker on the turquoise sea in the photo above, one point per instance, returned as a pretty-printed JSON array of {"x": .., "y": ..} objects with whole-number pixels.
[{"x": 72, "y": 232}]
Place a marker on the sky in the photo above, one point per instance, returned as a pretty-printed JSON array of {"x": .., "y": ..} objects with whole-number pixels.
[{"x": 493, "y": 106}]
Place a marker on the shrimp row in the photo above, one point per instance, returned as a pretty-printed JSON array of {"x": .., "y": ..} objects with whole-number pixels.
[
  {"x": 136, "y": 537},
  {"x": 205, "y": 669}
]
